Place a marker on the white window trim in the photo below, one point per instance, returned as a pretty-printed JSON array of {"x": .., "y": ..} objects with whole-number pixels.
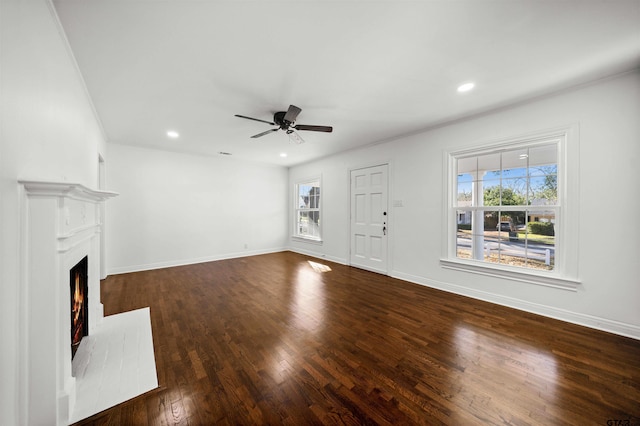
[
  {"x": 565, "y": 272},
  {"x": 295, "y": 235}
]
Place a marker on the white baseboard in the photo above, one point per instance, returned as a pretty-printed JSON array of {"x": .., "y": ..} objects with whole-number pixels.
[
  {"x": 598, "y": 323},
  {"x": 183, "y": 262}
]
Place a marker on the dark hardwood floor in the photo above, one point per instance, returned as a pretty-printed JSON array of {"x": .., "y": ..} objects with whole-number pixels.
[{"x": 287, "y": 339}]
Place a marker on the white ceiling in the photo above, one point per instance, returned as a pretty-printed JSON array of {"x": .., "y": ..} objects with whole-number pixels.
[{"x": 374, "y": 70}]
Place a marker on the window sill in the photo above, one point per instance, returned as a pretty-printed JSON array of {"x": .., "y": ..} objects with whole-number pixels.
[
  {"x": 311, "y": 240},
  {"x": 540, "y": 278}
]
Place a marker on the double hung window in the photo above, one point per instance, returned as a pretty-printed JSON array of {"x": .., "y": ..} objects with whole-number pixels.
[
  {"x": 506, "y": 207},
  {"x": 307, "y": 210}
]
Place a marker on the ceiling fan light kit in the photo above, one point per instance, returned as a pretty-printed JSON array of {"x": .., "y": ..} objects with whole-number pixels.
[{"x": 285, "y": 120}]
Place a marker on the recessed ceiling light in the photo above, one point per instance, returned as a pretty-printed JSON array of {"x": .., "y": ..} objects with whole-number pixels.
[
  {"x": 466, "y": 87},
  {"x": 173, "y": 134},
  {"x": 283, "y": 154}
]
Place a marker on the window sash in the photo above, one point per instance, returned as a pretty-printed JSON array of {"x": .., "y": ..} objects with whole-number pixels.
[{"x": 507, "y": 236}]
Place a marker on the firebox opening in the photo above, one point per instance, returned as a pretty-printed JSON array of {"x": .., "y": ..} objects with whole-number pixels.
[{"x": 79, "y": 303}]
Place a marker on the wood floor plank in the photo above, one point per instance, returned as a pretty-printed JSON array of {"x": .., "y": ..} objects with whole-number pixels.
[{"x": 287, "y": 339}]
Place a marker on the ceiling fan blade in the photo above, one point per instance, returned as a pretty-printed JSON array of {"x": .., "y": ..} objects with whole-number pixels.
[
  {"x": 292, "y": 113},
  {"x": 327, "y": 129},
  {"x": 294, "y": 137},
  {"x": 265, "y": 133},
  {"x": 255, "y": 119}
]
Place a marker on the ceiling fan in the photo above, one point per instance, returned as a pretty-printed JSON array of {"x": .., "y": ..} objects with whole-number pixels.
[{"x": 285, "y": 120}]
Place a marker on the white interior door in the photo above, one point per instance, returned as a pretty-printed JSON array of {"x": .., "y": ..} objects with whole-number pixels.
[{"x": 369, "y": 218}]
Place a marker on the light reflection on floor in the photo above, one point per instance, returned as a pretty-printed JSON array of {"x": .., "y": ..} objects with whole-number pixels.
[
  {"x": 510, "y": 367},
  {"x": 308, "y": 307},
  {"x": 319, "y": 267}
]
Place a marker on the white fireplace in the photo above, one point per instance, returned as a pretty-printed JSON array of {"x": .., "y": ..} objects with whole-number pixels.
[{"x": 61, "y": 224}]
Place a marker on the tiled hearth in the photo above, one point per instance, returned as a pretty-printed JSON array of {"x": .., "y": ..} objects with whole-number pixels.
[{"x": 61, "y": 224}]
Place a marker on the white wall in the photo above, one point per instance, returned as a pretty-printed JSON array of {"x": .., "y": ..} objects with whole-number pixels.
[
  {"x": 178, "y": 209},
  {"x": 48, "y": 131},
  {"x": 606, "y": 114}
]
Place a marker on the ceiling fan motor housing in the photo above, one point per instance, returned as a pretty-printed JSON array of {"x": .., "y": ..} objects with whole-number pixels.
[{"x": 278, "y": 118}]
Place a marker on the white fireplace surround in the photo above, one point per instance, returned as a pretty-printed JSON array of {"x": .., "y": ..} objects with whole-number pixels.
[{"x": 61, "y": 224}]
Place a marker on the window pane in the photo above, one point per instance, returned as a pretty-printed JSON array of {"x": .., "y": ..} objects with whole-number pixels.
[
  {"x": 511, "y": 233},
  {"x": 541, "y": 158},
  {"x": 491, "y": 192},
  {"x": 303, "y": 190},
  {"x": 511, "y": 221},
  {"x": 514, "y": 162},
  {"x": 490, "y": 238},
  {"x": 541, "y": 229},
  {"x": 489, "y": 222},
  {"x": 303, "y": 223},
  {"x": 464, "y": 188},
  {"x": 489, "y": 163},
  {"x": 468, "y": 166},
  {"x": 543, "y": 190},
  {"x": 303, "y": 198},
  {"x": 463, "y": 219},
  {"x": 463, "y": 234},
  {"x": 514, "y": 192},
  {"x": 314, "y": 223}
]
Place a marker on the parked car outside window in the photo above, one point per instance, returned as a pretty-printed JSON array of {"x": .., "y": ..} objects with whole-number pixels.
[{"x": 505, "y": 226}]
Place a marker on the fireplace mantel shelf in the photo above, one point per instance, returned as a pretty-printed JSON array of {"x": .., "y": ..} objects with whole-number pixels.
[{"x": 65, "y": 189}]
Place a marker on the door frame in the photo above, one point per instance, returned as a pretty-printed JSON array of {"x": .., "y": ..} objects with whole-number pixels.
[
  {"x": 390, "y": 220},
  {"x": 102, "y": 185}
]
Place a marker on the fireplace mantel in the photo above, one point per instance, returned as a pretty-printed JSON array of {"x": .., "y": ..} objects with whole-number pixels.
[
  {"x": 65, "y": 189},
  {"x": 61, "y": 223}
]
